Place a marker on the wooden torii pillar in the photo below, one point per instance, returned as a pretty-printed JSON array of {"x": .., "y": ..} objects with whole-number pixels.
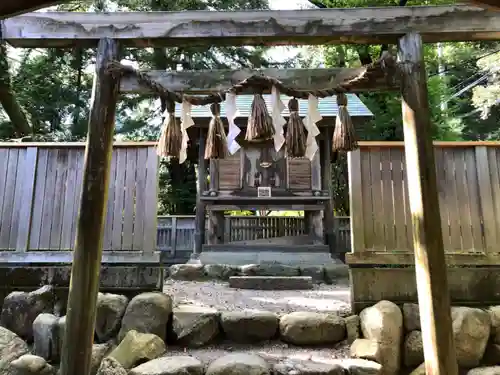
[
  {"x": 84, "y": 284},
  {"x": 430, "y": 264}
]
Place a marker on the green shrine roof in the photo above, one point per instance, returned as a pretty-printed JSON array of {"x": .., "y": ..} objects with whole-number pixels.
[{"x": 327, "y": 107}]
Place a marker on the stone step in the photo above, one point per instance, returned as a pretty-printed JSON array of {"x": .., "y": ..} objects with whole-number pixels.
[{"x": 271, "y": 282}]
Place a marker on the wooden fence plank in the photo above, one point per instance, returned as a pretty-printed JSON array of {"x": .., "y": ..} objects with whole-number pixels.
[
  {"x": 452, "y": 200},
  {"x": 486, "y": 194},
  {"x": 69, "y": 201},
  {"x": 443, "y": 195},
  {"x": 377, "y": 200},
  {"x": 78, "y": 194},
  {"x": 28, "y": 189},
  {"x": 366, "y": 210},
  {"x": 140, "y": 203},
  {"x": 18, "y": 187},
  {"x": 401, "y": 240},
  {"x": 130, "y": 183},
  {"x": 108, "y": 227},
  {"x": 151, "y": 202},
  {"x": 59, "y": 193},
  {"x": 9, "y": 196},
  {"x": 494, "y": 166},
  {"x": 387, "y": 213},
  {"x": 48, "y": 199},
  {"x": 475, "y": 204},
  {"x": 4, "y": 159},
  {"x": 463, "y": 200},
  {"x": 119, "y": 187},
  {"x": 36, "y": 217}
]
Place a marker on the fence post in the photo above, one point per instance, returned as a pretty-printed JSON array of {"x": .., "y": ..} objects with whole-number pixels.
[
  {"x": 27, "y": 197},
  {"x": 173, "y": 236},
  {"x": 356, "y": 201}
]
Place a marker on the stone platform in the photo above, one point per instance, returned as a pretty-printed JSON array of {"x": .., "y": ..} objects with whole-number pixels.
[{"x": 271, "y": 282}]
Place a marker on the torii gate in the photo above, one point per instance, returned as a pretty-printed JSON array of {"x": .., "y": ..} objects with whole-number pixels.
[{"x": 409, "y": 27}]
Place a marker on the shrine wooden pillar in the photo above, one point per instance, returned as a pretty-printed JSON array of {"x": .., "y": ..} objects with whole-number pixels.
[
  {"x": 430, "y": 265},
  {"x": 326, "y": 182},
  {"x": 84, "y": 284},
  {"x": 200, "y": 216},
  {"x": 215, "y": 235},
  {"x": 313, "y": 220}
]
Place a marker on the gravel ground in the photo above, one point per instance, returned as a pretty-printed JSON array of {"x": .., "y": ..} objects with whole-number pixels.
[
  {"x": 271, "y": 351},
  {"x": 323, "y": 298}
]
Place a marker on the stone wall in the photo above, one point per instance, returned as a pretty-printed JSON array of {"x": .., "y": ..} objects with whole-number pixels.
[
  {"x": 132, "y": 335},
  {"x": 329, "y": 274},
  {"x": 126, "y": 279}
]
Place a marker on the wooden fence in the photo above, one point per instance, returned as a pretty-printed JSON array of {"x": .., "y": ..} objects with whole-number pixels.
[
  {"x": 176, "y": 233},
  {"x": 40, "y": 188},
  {"x": 468, "y": 177}
]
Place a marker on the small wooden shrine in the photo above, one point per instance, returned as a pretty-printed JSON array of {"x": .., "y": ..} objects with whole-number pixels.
[{"x": 258, "y": 177}]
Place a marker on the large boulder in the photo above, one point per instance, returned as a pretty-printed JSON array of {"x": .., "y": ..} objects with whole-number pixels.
[
  {"x": 110, "y": 366},
  {"x": 317, "y": 273},
  {"x": 177, "y": 365},
  {"x": 413, "y": 349},
  {"x": 147, "y": 313},
  {"x": 312, "y": 328},
  {"x": 307, "y": 368},
  {"x": 367, "y": 349},
  {"x": 99, "y": 352},
  {"x": 352, "y": 325},
  {"x": 11, "y": 348},
  {"x": 355, "y": 366},
  {"x": 495, "y": 370},
  {"x": 220, "y": 271},
  {"x": 383, "y": 323},
  {"x": 110, "y": 310},
  {"x": 249, "y": 325},
  {"x": 47, "y": 339},
  {"x": 411, "y": 317},
  {"x": 31, "y": 365},
  {"x": 138, "y": 347},
  {"x": 195, "y": 326},
  {"x": 187, "y": 272},
  {"x": 269, "y": 270},
  {"x": 471, "y": 330},
  {"x": 239, "y": 364},
  {"x": 20, "y": 309},
  {"x": 494, "y": 312}
]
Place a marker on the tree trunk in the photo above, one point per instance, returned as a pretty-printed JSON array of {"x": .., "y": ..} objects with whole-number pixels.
[{"x": 8, "y": 100}]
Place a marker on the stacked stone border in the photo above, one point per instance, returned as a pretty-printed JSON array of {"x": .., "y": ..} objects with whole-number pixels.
[
  {"x": 132, "y": 337},
  {"x": 329, "y": 274}
]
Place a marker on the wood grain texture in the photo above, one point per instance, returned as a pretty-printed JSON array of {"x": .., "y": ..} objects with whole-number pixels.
[
  {"x": 288, "y": 27},
  {"x": 430, "y": 264},
  {"x": 213, "y": 81},
  {"x": 84, "y": 286}
]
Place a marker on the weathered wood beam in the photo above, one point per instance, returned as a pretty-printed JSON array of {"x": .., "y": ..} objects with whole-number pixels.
[
  {"x": 211, "y": 81},
  {"x": 430, "y": 264},
  {"x": 9, "y": 8},
  {"x": 290, "y": 27},
  {"x": 84, "y": 285}
]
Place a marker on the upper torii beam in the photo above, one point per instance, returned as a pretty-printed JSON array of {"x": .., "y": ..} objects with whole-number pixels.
[{"x": 9, "y": 8}]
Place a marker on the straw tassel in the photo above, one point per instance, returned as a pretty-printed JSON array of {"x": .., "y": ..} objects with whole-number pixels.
[
  {"x": 216, "y": 140},
  {"x": 170, "y": 140},
  {"x": 296, "y": 137},
  {"x": 344, "y": 137},
  {"x": 260, "y": 126}
]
